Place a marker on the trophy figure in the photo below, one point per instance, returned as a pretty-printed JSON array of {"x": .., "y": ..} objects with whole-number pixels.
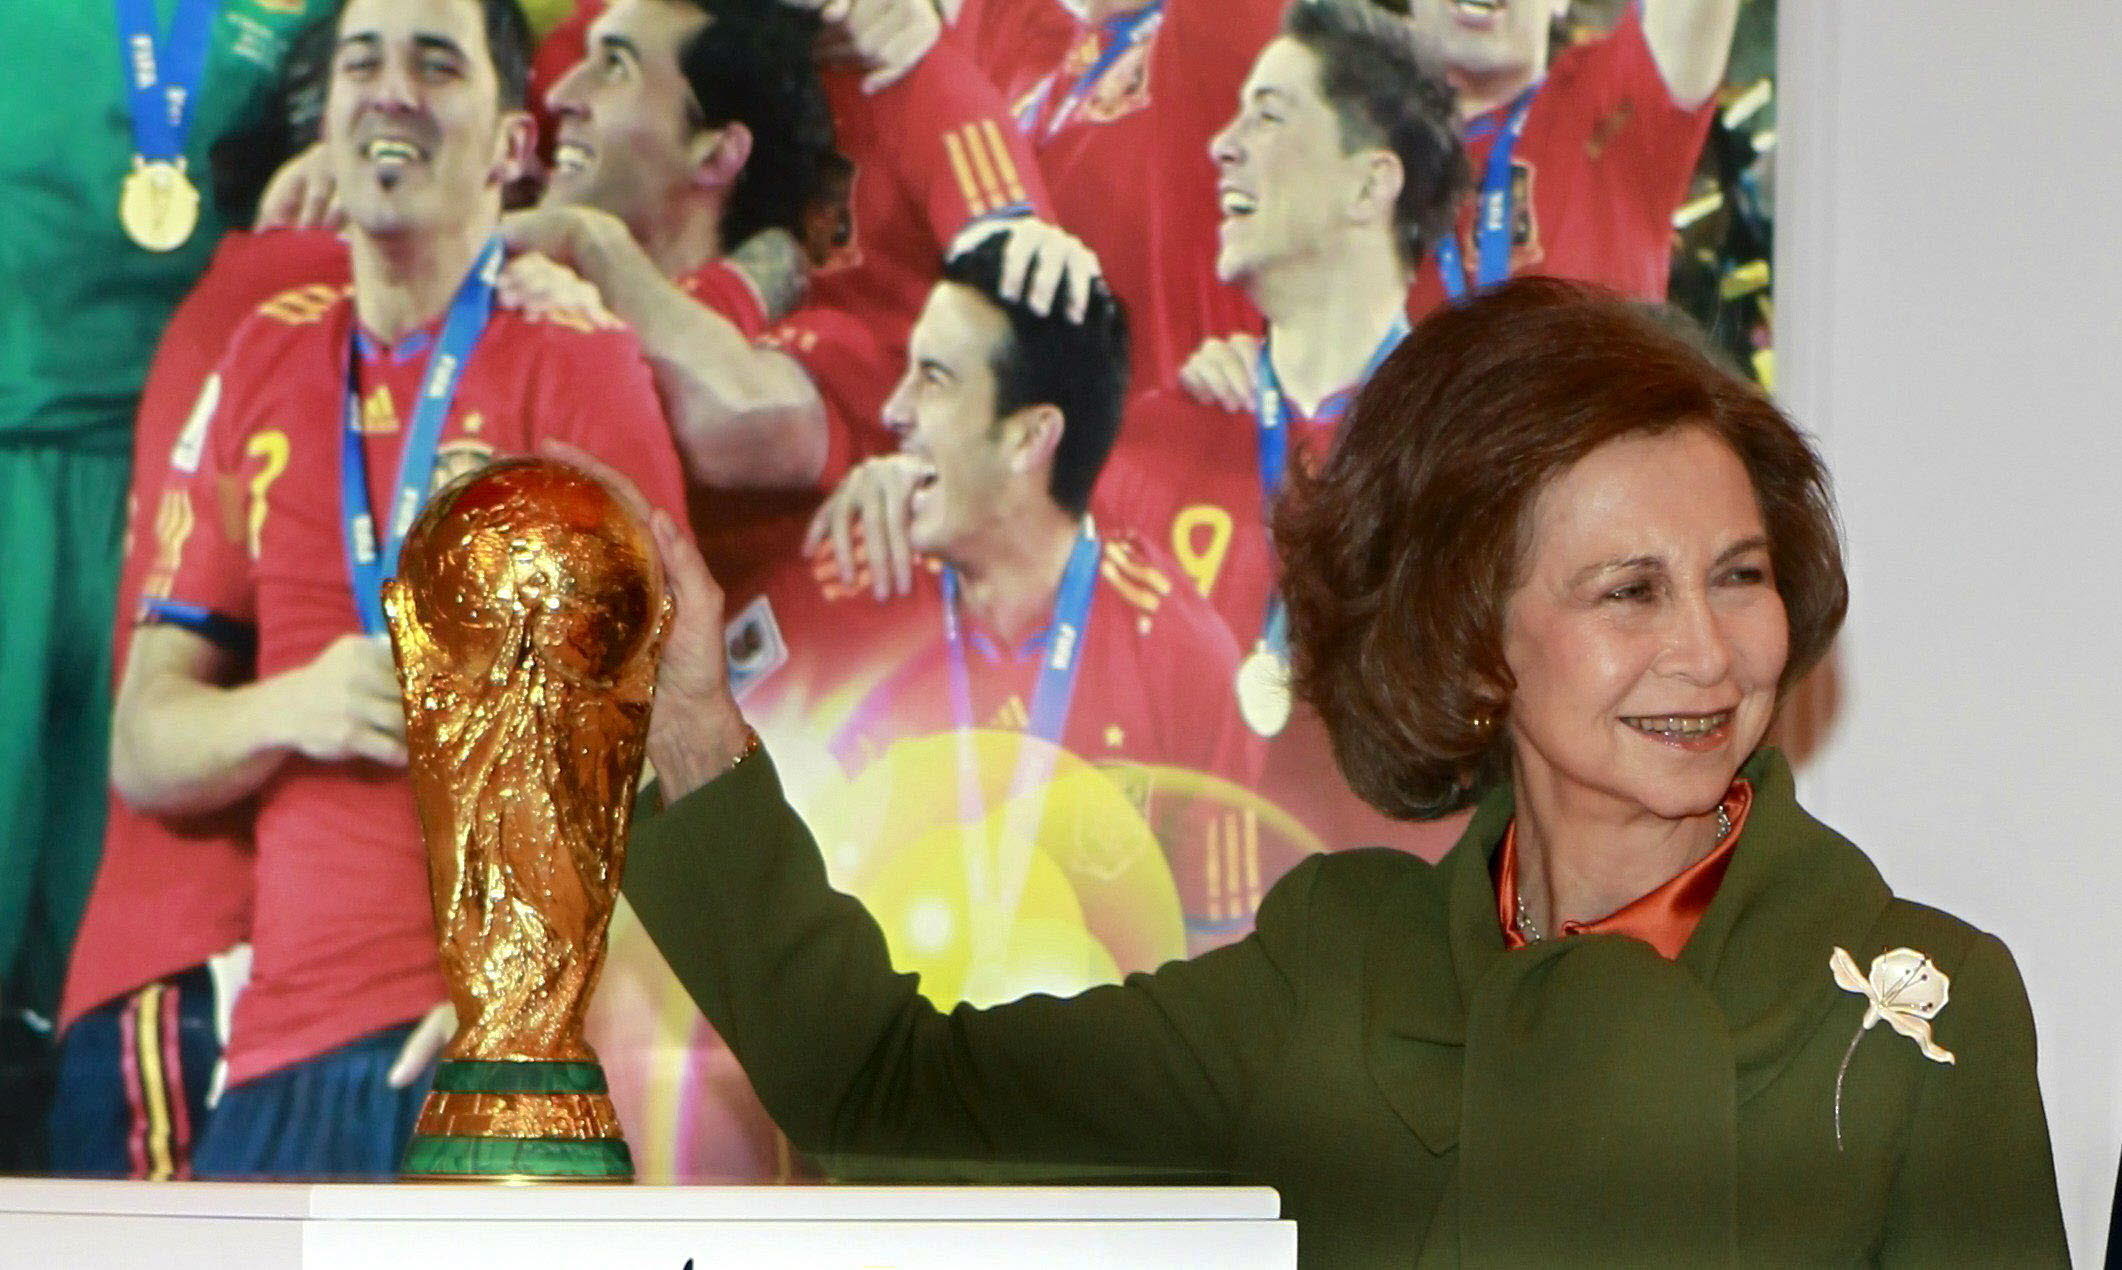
[{"x": 528, "y": 614}]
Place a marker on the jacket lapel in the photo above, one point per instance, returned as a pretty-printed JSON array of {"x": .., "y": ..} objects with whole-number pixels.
[
  {"x": 1795, "y": 890},
  {"x": 1438, "y": 940}
]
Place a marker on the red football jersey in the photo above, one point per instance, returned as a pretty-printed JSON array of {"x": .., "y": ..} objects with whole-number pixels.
[
  {"x": 1151, "y": 691},
  {"x": 169, "y": 893},
  {"x": 804, "y": 648},
  {"x": 1186, "y": 476},
  {"x": 344, "y": 936},
  {"x": 723, "y": 287},
  {"x": 1120, "y": 117},
  {"x": 932, "y": 153},
  {"x": 1605, "y": 161},
  {"x": 1090, "y": 125}
]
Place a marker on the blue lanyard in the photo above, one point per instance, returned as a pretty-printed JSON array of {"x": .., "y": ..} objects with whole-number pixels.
[
  {"x": 1271, "y": 414},
  {"x": 1271, "y": 407},
  {"x": 368, "y": 562},
  {"x": 1058, "y": 660},
  {"x": 162, "y": 77},
  {"x": 1121, "y": 34},
  {"x": 1492, "y": 211}
]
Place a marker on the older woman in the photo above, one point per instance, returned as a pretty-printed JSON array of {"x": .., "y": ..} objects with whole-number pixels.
[{"x": 1563, "y": 567}]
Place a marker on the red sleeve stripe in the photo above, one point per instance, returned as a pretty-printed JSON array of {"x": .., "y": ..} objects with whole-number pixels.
[
  {"x": 1233, "y": 866},
  {"x": 1120, "y": 556},
  {"x": 1130, "y": 589}
]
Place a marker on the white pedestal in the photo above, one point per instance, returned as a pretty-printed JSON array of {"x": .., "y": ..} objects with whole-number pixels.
[{"x": 180, "y": 1225}]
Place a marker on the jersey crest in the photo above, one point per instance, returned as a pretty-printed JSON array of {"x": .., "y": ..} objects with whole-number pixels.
[
  {"x": 459, "y": 458},
  {"x": 1124, "y": 87},
  {"x": 1526, "y": 251}
]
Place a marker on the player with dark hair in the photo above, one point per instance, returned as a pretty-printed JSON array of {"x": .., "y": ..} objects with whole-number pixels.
[
  {"x": 1034, "y": 620},
  {"x": 764, "y": 423},
  {"x": 696, "y": 123},
  {"x": 1121, "y": 97},
  {"x": 328, "y": 422},
  {"x": 1077, "y": 367},
  {"x": 692, "y": 140},
  {"x": 1338, "y": 173},
  {"x": 1579, "y": 162}
]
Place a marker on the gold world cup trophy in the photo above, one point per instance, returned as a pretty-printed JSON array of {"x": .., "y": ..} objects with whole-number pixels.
[{"x": 528, "y": 616}]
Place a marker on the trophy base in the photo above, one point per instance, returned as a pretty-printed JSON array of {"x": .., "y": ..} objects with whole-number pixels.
[{"x": 518, "y": 1121}]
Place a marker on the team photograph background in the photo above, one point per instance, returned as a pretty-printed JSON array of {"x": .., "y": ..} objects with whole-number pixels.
[{"x": 997, "y": 863}]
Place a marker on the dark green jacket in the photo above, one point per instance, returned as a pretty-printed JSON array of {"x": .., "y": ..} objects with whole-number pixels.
[{"x": 1415, "y": 1091}]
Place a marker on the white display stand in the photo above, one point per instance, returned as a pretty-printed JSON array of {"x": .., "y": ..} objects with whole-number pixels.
[{"x": 180, "y": 1225}]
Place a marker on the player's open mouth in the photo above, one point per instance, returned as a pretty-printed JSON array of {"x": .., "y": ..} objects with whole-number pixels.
[
  {"x": 1236, "y": 203},
  {"x": 1478, "y": 8},
  {"x": 392, "y": 152},
  {"x": 1688, "y": 731},
  {"x": 571, "y": 159}
]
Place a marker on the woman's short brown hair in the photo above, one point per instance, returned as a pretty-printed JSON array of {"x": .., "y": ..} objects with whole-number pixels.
[{"x": 1400, "y": 553}]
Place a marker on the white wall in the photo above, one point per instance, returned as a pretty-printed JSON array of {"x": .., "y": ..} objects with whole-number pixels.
[{"x": 1950, "y": 323}]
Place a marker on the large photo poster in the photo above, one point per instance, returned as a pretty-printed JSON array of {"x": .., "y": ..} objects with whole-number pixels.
[{"x": 974, "y": 342}]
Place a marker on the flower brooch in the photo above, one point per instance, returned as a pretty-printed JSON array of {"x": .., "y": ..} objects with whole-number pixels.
[{"x": 1904, "y": 989}]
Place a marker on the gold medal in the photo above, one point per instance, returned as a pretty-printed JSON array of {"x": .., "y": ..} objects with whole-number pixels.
[
  {"x": 158, "y": 205},
  {"x": 1263, "y": 690}
]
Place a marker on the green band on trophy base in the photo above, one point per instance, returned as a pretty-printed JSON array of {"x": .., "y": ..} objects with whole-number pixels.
[
  {"x": 519, "y": 1077},
  {"x": 596, "y": 1159}
]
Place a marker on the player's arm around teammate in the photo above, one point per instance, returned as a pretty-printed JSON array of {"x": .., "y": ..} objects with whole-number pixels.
[
  {"x": 187, "y": 739},
  {"x": 745, "y": 416}
]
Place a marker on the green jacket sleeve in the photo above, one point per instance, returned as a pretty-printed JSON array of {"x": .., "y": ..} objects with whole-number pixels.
[
  {"x": 1977, "y": 1184},
  {"x": 852, "y": 1061}
]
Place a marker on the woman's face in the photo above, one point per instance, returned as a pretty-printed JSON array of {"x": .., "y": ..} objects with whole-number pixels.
[{"x": 1646, "y": 635}]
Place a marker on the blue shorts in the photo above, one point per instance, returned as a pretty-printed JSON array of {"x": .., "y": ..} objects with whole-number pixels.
[
  {"x": 133, "y": 1076},
  {"x": 332, "y": 1116}
]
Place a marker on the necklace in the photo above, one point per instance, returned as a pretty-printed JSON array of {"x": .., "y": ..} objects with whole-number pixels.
[{"x": 1531, "y": 931}]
